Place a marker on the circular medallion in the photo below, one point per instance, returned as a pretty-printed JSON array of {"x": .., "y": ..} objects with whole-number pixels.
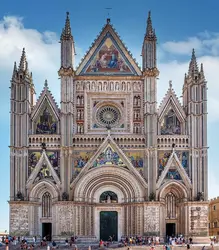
[{"x": 108, "y": 115}]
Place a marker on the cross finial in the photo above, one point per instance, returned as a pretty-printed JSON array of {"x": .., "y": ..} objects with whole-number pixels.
[
  {"x": 108, "y": 15},
  {"x": 46, "y": 84},
  {"x": 170, "y": 84}
]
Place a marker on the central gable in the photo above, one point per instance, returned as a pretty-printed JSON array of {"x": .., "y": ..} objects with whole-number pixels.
[{"x": 108, "y": 56}]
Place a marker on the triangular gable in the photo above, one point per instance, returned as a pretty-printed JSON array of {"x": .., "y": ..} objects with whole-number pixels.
[
  {"x": 171, "y": 99},
  {"x": 174, "y": 165},
  {"x": 108, "y": 56},
  {"x": 45, "y": 98},
  {"x": 120, "y": 160},
  {"x": 43, "y": 171}
]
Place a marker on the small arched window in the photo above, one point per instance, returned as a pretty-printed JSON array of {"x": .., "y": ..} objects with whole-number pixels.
[{"x": 46, "y": 205}]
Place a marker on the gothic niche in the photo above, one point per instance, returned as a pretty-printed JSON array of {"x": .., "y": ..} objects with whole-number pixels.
[
  {"x": 170, "y": 124},
  {"x": 108, "y": 197},
  {"x": 46, "y": 124}
]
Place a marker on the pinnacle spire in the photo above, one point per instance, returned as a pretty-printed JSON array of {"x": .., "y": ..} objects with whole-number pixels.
[
  {"x": 66, "y": 32},
  {"x": 150, "y": 32},
  {"x": 23, "y": 61},
  {"x": 15, "y": 67},
  {"x": 193, "y": 66}
]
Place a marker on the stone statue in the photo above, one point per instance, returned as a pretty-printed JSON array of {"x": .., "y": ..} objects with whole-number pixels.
[{"x": 108, "y": 199}]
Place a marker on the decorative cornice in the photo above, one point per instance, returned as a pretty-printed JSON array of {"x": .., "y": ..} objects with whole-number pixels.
[
  {"x": 151, "y": 72},
  {"x": 107, "y": 77},
  {"x": 66, "y": 72}
]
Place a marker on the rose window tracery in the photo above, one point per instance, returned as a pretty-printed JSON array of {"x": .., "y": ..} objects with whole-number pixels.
[{"x": 108, "y": 116}]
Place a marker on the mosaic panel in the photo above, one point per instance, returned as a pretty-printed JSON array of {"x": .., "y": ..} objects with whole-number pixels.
[
  {"x": 137, "y": 160},
  {"x": 108, "y": 59},
  {"x": 108, "y": 157},
  {"x": 170, "y": 124},
  {"x": 46, "y": 123},
  {"x": 80, "y": 158},
  {"x": 163, "y": 157},
  {"x": 53, "y": 157}
]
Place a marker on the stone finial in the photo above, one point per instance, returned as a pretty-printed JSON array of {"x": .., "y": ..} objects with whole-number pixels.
[
  {"x": 66, "y": 32},
  {"x": 46, "y": 84},
  {"x": 150, "y": 32},
  {"x": 193, "y": 66},
  {"x": 23, "y": 61},
  {"x": 170, "y": 84}
]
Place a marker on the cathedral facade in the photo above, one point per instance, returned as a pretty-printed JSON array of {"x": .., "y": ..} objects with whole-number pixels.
[{"x": 109, "y": 160}]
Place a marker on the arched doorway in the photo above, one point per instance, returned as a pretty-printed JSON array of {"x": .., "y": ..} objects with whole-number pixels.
[
  {"x": 171, "y": 212},
  {"x": 46, "y": 208},
  {"x": 173, "y": 195},
  {"x": 108, "y": 219}
]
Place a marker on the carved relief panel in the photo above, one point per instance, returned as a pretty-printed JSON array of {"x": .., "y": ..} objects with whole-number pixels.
[{"x": 151, "y": 220}]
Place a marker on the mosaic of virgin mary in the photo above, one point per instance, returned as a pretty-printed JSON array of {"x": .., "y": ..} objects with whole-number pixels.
[{"x": 108, "y": 59}]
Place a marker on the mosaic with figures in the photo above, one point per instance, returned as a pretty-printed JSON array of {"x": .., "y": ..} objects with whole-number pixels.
[
  {"x": 170, "y": 124},
  {"x": 53, "y": 157},
  {"x": 137, "y": 160},
  {"x": 46, "y": 124},
  {"x": 163, "y": 157},
  {"x": 80, "y": 158},
  {"x": 108, "y": 157},
  {"x": 108, "y": 59}
]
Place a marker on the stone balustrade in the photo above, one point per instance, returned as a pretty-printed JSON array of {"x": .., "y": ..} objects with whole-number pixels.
[
  {"x": 167, "y": 141},
  {"x": 50, "y": 140}
]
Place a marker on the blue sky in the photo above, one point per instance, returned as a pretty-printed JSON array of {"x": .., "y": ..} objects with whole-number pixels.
[{"x": 180, "y": 26}]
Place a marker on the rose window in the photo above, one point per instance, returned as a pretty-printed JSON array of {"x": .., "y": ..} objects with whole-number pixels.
[{"x": 108, "y": 116}]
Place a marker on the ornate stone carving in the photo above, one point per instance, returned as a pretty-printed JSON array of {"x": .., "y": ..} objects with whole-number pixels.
[
  {"x": 151, "y": 72},
  {"x": 151, "y": 219},
  {"x": 19, "y": 219},
  {"x": 198, "y": 220},
  {"x": 66, "y": 219},
  {"x": 66, "y": 72}
]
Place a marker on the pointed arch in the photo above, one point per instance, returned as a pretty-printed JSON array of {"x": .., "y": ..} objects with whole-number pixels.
[
  {"x": 37, "y": 191},
  {"x": 177, "y": 188}
]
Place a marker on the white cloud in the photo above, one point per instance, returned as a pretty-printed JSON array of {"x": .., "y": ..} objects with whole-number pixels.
[{"x": 182, "y": 47}]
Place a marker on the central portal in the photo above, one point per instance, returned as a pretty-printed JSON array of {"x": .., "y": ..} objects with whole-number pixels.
[
  {"x": 171, "y": 229},
  {"x": 109, "y": 225}
]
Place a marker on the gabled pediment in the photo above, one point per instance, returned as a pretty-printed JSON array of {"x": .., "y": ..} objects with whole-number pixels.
[
  {"x": 174, "y": 171},
  {"x": 44, "y": 99},
  {"x": 43, "y": 171},
  {"x": 45, "y": 115},
  {"x": 108, "y": 56},
  {"x": 172, "y": 100},
  {"x": 109, "y": 154},
  {"x": 171, "y": 116}
]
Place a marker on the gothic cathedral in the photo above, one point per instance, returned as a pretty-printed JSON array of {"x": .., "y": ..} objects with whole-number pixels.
[{"x": 108, "y": 160}]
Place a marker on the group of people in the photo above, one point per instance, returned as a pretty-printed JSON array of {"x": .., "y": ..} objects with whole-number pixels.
[{"x": 140, "y": 240}]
